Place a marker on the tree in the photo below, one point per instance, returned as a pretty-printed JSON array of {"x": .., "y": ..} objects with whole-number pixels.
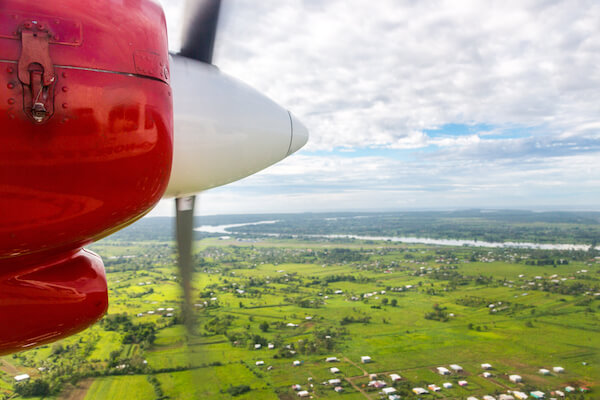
[
  {"x": 57, "y": 348},
  {"x": 264, "y": 326},
  {"x": 384, "y": 301},
  {"x": 394, "y": 302}
]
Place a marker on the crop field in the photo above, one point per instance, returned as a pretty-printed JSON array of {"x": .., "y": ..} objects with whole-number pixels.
[{"x": 270, "y": 312}]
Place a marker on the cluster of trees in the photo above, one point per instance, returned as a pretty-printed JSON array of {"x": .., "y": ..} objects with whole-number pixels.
[
  {"x": 353, "y": 320},
  {"x": 243, "y": 338},
  {"x": 547, "y": 261},
  {"x": 473, "y": 301},
  {"x": 38, "y": 387},
  {"x": 438, "y": 314},
  {"x": 237, "y": 390},
  {"x": 575, "y": 288},
  {"x": 143, "y": 334},
  {"x": 385, "y": 301},
  {"x": 308, "y": 302},
  {"x": 218, "y": 325}
]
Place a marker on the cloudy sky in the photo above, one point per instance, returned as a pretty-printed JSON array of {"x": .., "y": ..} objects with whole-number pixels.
[{"x": 418, "y": 104}]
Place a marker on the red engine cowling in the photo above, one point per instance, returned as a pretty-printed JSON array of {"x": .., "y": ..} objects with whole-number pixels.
[
  {"x": 49, "y": 301},
  {"x": 86, "y": 133}
]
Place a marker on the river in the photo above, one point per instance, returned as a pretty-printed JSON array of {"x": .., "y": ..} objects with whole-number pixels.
[{"x": 406, "y": 239}]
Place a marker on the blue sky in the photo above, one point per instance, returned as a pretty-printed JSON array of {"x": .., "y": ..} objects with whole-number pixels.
[{"x": 418, "y": 105}]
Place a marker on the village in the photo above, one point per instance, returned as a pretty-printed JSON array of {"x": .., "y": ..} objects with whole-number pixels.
[
  {"x": 280, "y": 319},
  {"x": 380, "y": 382}
]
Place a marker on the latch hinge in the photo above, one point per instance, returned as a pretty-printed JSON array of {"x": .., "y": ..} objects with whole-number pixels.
[{"x": 36, "y": 72}]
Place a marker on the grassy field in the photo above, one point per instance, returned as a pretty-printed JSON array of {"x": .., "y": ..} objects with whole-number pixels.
[
  {"x": 339, "y": 299},
  {"x": 121, "y": 387}
]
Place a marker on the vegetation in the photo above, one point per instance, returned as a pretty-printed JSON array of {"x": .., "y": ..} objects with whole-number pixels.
[{"x": 411, "y": 308}]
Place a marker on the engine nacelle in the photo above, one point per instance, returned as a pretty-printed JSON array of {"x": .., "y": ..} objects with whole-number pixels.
[
  {"x": 85, "y": 121},
  {"x": 225, "y": 130},
  {"x": 86, "y": 141}
]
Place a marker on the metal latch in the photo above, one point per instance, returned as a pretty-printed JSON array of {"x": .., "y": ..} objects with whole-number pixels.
[{"x": 36, "y": 72}]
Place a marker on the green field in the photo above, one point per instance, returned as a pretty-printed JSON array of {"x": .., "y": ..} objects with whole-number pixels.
[{"x": 411, "y": 308}]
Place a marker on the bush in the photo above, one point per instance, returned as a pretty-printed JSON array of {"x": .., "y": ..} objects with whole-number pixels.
[{"x": 237, "y": 390}]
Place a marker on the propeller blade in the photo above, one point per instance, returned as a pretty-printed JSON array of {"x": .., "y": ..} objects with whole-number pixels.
[
  {"x": 200, "y": 28},
  {"x": 184, "y": 207}
]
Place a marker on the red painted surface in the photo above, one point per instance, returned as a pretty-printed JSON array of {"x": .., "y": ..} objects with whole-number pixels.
[
  {"x": 49, "y": 301},
  {"x": 100, "y": 160}
]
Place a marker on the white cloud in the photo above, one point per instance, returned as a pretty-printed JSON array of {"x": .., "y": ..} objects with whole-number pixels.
[
  {"x": 381, "y": 74},
  {"x": 373, "y": 73}
]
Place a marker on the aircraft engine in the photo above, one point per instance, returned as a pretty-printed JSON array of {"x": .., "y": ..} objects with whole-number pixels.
[
  {"x": 86, "y": 142},
  {"x": 89, "y": 100}
]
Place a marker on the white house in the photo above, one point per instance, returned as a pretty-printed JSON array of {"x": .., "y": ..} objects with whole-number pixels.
[
  {"x": 388, "y": 390},
  {"x": 259, "y": 363},
  {"x": 488, "y": 397},
  {"x": 271, "y": 346},
  {"x": 515, "y": 378},
  {"x": 443, "y": 371},
  {"x": 303, "y": 393},
  {"x": 338, "y": 389},
  {"x": 456, "y": 367},
  {"x": 434, "y": 388},
  {"x": 395, "y": 377},
  {"x": 558, "y": 370},
  {"x": 544, "y": 371},
  {"x": 487, "y": 375},
  {"x": 505, "y": 397},
  {"x": 472, "y": 398},
  {"x": 257, "y": 346},
  {"x": 486, "y": 366},
  {"x": 21, "y": 378},
  {"x": 334, "y": 381},
  {"x": 365, "y": 359},
  {"x": 334, "y": 370},
  {"x": 537, "y": 394},
  {"x": 447, "y": 385},
  {"x": 331, "y": 359},
  {"x": 419, "y": 390},
  {"x": 463, "y": 383},
  {"x": 296, "y": 363}
]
